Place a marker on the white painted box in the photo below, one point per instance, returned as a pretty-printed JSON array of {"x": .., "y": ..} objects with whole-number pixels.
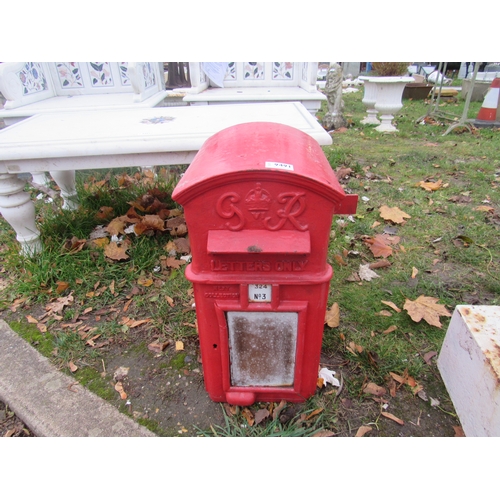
[{"x": 469, "y": 363}]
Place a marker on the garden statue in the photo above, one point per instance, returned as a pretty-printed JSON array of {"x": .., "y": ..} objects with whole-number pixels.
[{"x": 333, "y": 89}]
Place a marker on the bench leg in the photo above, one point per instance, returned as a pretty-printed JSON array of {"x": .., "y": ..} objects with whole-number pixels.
[
  {"x": 18, "y": 210},
  {"x": 41, "y": 179},
  {"x": 65, "y": 179}
]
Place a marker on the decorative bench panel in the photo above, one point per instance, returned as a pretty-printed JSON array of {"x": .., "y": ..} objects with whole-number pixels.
[
  {"x": 37, "y": 87},
  {"x": 257, "y": 82}
]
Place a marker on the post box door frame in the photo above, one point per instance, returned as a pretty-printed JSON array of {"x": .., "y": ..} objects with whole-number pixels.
[{"x": 299, "y": 307}]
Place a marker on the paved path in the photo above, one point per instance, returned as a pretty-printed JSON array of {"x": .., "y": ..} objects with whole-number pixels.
[{"x": 49, "y": 402}]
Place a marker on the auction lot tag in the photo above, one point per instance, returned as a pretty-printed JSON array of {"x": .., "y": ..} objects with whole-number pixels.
[
  {"x": 259, "y": 293},
  {"x": 281, "y": 166}
]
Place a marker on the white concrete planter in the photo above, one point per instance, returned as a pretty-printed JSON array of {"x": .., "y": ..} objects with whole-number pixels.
[
  {"x": 369, "y": 99},
  {"x": 389, "y": 99}
]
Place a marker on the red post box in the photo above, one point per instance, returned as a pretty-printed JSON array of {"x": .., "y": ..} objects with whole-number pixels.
[{"x": 258, "y": 200}]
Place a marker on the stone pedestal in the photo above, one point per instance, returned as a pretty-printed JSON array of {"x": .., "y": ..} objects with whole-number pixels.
[{"x": 469, "y": 363}]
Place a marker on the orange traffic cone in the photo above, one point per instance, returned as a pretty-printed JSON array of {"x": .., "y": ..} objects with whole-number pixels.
[{"x": 489, "y": 114}]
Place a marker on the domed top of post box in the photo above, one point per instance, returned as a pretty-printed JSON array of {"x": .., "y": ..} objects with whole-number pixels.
[{"x": 278, "y": 151}]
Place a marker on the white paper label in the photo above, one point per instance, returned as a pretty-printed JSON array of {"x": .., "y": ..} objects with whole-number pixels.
[
  {"x": 281, "y": 166},
  {"x": 259, "y": 293}
]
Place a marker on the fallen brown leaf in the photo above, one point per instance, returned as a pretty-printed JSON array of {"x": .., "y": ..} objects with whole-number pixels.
[
  {"x": 249, "y": 416},
  {"x": 261, "y": 415},
  {"x": 374, "y": 389},
  {"x": 390, "y": 329},
  {"x": 426, "y": 308},
  {"x": 174, "y": 263},
  {"x": 391, "y": 305},
  {"x": 431, "y": 186},
  {"x": 484, "y": 208},
  {"x": 323, "y": 434},
  {"x": 393, "y": 214},
  {"x": 158, "y": 346},
  {"x": 428, "y": 356},
  {"x": 332, "y": 317},
  {"x": 385, "y": 313},
  {"x": 74, "y": 245},
  {"x": 114, "y": 251},
  {"x": 340, "y": 260},
  {"x": 143, "y": 281},
  {"x": 354, "y": 348},
  {"x": 364, "y": 429},
  {"x": 380, "y": 263},
  {"x": 119, "y": 389},
  {"x": 276, "y": 412},
  {"x": 378, "y": 246},
  {"x": 105, "y": 213},
  {"x": 392, "y": 417}
]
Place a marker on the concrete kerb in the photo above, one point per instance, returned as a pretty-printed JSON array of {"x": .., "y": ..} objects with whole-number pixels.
[{"x": 51, "y": 403}]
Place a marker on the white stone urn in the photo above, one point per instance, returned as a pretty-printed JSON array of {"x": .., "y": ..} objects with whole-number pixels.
[
  {"x": 369, "y": 99},
  {"x": 389, "y": 99}
]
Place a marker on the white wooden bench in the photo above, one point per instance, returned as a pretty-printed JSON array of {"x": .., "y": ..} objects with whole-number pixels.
[
  {"x": 258, "y": 82},
  {"x": 32, "y": 88}
]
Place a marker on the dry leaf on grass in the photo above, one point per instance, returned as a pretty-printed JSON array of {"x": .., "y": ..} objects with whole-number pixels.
[
  {"x": 131, "y": 323},
  {"x": 431, "y": 186},
  {"x": 363, "y": 430},
  {"x": 366, "y": 274},
  {"x": 158, "y": 347},
  {"x": 41, "y": 327},
  {"x": 105, "y": 213},
  {"x": 143, "y": 281},
  {"x": 484, "y": 208},
  {"x": 380, "y": 263},
  {"x": 61, "y": 287},
  {"x": 393, "y": 214},
  {"x": 426, "y": 308},
  {"x": 392, "y": 328},
  {"x": 261, "y": 415},
  {"x": 332, "y": 317},
  {"x": 116, "y": 252},
  {"x": 249, "y": 416},
  {"x": 74, "y": 245},
  {"x": 116, "y": 227},
  {"x": 59, "y": 304},
  {"x": 354, "y": 348},
  {"x": 378, "y": 246},
  {"x": 119, "y": 389},
  {"x": 323, "y": 434},
  {"x": 385, "y": 313},
  {"x": 374, "y": 389},
  {"x": 340, "y": 260},
  {"x": 391, "y": 305},
  {"x": 428, "y": 356},
  {"x": 392, "y": 417}
]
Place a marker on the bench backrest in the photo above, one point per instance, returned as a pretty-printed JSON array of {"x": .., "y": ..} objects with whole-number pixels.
[
  {"x": 24, "y": 83},
  {"x": 259, "y": 74}
]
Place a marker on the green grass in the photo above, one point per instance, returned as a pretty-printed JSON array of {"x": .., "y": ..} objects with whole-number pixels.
[
  {"x": 454, "y": 247},
  {"x": 237, "y": 426}
]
